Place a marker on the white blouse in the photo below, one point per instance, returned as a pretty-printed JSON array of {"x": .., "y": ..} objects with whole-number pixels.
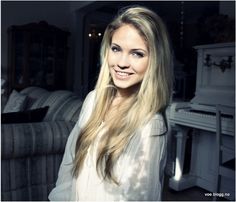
[{"x": 139, "y": 170}]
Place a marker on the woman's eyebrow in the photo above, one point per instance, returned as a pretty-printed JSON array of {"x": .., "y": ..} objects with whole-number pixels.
[
  {"x": 139, "y": 49},
  {"x": 134, "y": 49},
  {"x": 115, "y": 44}
]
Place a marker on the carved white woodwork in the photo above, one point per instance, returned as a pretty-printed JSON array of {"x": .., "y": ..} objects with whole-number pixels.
[
  {"x": 215, "y": 85},
  {"x": 215, "y": 75}
]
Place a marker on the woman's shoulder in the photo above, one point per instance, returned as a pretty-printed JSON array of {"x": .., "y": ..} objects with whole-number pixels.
[
  {"x": 89, "y": 100},
  {"x": 157, "y": 117},
  {"x": 156, "y": 125},
  {"x": 90, "y": 96}
]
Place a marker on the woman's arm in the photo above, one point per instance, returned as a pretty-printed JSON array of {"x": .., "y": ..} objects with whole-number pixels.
[
  {"x": 62, "y": 191},
  {"x": 144, "y": 163},
  {"x": 64, "y": 184}
]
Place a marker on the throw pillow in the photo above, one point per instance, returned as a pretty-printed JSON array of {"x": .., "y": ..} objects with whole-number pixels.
[
  {"x": 15, "y": 103},
  {"x": 29, "y": 116}
]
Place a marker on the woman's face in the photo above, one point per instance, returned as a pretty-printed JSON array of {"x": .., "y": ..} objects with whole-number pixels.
[{"x": 127, "y": 58}]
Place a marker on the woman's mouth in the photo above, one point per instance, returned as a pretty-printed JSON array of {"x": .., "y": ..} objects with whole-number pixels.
[{"x": 122, "y": 75}]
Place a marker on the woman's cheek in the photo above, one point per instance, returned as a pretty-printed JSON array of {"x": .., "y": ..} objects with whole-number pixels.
[{"x": 111, "y": 60}]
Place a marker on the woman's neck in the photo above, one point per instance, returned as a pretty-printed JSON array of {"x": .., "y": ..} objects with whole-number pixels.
[{"x": 127, "y": 92}]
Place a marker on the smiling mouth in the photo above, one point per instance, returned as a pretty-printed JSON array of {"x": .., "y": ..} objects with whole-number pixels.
[{"x": 123, "y": 73}]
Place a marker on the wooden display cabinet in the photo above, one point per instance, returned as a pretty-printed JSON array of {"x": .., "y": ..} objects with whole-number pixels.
[{"x": 37, "y": 56}]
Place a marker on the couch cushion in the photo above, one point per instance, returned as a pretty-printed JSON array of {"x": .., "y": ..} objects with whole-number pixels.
[
  {"x": 30, "y": 139},
  {"x": 36, "y": 96},
  {"x": 63, "y": 104},
  {"x": 16, "y": 102},
  {"x": 55, "y": 101},
  {"x": 28, "y": 116},
  {"x": 69, "y": 110}
]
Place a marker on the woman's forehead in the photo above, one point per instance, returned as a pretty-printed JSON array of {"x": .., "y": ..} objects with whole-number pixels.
[{"x": 128, "y": 35}]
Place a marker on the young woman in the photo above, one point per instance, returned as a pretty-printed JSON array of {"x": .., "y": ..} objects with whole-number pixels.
[{"x": 117, "y": 150}]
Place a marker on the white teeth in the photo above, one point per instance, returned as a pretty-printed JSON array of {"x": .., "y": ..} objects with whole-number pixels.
[{"x": 122, "y": 74}]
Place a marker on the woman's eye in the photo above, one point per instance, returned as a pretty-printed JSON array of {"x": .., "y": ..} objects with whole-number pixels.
[
  {"x": 114, "y": 49},
  {"x": 138, "y": 54}
]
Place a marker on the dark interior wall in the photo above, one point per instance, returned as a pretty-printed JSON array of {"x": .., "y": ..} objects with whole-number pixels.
[{"x": 63, "y": 15}]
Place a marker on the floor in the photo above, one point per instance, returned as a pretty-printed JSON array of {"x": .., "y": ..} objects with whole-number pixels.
[{"x": 191, "y": 194}]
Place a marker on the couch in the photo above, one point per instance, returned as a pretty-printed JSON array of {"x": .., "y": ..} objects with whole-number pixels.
[{"x": 31, "y": 152}]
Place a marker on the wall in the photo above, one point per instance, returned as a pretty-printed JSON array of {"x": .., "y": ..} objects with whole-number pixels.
[
  {"x": 228, "y": 8},
  {"x": 74, "y": 6},
  {"x": 63, "y": 15}
]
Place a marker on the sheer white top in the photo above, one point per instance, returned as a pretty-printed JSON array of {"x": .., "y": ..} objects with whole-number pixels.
[{"x": 139, "y": 170}]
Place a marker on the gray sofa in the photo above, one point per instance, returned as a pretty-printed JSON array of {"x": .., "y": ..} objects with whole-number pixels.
[{"x": 31, "y": 153}]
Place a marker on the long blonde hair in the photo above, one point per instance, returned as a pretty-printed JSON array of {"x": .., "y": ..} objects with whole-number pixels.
[{"x": 153, "y": 95}]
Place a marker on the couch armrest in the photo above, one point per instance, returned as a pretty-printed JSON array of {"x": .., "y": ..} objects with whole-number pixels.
[{"x": 28, "y": 139}]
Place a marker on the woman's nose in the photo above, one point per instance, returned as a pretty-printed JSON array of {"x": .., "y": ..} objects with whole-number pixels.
[{"x": 123, "y": 61}]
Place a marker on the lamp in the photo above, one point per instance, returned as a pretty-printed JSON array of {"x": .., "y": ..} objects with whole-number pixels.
[{"x": 94, "y": 34}]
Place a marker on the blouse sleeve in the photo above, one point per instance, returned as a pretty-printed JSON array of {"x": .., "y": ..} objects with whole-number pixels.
[
  {"x": 63, "y": 189},
  {"x": 144, "y": 163}
]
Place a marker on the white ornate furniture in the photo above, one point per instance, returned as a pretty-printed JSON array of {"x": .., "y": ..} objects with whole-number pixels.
[{"x": 215, "y": 85}]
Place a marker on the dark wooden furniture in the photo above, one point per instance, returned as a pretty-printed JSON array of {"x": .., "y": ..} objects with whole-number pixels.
[{"x": 37, "y": 56}]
